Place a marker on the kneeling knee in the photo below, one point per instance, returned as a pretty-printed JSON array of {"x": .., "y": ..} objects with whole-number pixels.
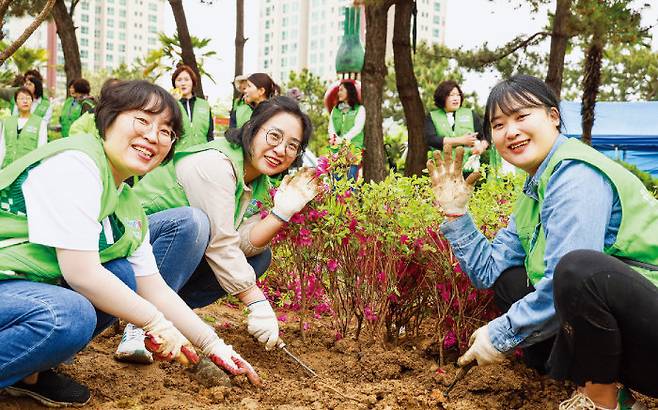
[{"x": 572, "y": 269}]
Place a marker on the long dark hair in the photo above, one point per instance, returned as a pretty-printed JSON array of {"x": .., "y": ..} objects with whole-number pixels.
[
  {"x": 262, "y": 80},
  {"x": 264, "y": 111},
  {"x": 519, "y": 91},
  {"x": 38, "y": 85},
  {"x": 138, "y": 95},
  {"x": 352, "y": 95}
]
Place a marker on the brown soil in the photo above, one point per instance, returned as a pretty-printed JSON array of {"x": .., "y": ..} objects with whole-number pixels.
[{"x": 351, "y": 376}]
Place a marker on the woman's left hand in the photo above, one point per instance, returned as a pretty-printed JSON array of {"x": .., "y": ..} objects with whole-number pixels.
[
  {"x": 452, "y": 193},
  {"x": 295, "y": 192},
  {"x": 480, "y": 147}
]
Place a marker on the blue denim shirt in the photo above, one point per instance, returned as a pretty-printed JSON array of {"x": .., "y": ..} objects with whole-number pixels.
[{"x": 572, "y": 219}]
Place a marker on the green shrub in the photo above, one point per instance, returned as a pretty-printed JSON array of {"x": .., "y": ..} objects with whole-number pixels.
[{"x": 649, "y": 182}]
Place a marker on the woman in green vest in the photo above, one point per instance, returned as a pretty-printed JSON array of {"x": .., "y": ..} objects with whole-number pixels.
[
  {"x": 78, "y": 103},
  {"x": 41, "y": 105},
  {"x": 228, "y": 179},
  {"x": 239, "y": 106},
  {"x": 576, "y": 269},
  {"x": 258, "y": 88},
  {"x": 198, "y": 126},
  {"x": 22, "y": 133},
  {"x": 346, "y": 122},
  {"x": 450, "y": 122},
  {"x": 73, "y": 256}
]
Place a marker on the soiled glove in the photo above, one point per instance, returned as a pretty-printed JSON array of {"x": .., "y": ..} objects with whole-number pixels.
[
  {"x": 166, "y": 342},
  {"x": 335, "y": 140},
  {"x": 450, "y": 190},
  {"x": 227, "y": 359},
  {"x": 481, "y": 350},
  {"x": 262, "y": 323},
  {"x": 294, "y": 193}
]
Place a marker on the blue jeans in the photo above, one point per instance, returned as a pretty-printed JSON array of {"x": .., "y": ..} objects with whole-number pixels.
[
  {"x": 185, "y": 232},
  {"x": 43, "y": 325}
]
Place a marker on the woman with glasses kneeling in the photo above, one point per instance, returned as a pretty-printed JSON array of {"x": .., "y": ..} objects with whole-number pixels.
[
  {"x": 73, "y": 256},
  {"x": 228, "y": 179}
]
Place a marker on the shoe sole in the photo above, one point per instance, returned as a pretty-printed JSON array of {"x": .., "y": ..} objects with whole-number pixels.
[
  {"x": 18, "y": 392},
  {"x": 135, "y": 357}
]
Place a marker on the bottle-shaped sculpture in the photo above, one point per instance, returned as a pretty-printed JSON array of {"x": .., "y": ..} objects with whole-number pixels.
[{"x": 349, "y": 58}]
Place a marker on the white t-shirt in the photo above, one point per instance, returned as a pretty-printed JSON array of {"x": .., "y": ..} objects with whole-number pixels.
[{"x": 63, "y": 201}]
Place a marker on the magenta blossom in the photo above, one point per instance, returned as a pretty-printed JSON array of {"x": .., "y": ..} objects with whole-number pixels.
[
  {"x": 332, "y": 265},
  {"x": 323, "y": 166}
]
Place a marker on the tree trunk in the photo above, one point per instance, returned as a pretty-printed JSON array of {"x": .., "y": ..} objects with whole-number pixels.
[
  {"x": 373, "y": 76},
  {"x": 11, "y": 49},
  {"x": 66, "y": 33},
  {"x": 591, "y": 82},
  {"x": 414, "y": 112},
  {"x": 187, "y": 50},
  {"x": 4, "y": 6},
  {"x": 239, "y": 42},
  {"x": 559, "y": 41}
]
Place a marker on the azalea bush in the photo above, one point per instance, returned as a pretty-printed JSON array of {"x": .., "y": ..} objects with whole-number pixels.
[{"x": 371, "y": 257}]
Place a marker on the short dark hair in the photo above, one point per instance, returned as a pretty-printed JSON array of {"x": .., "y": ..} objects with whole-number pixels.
[
  {"x": 179, "y": 69},
  {"x": 352, "y": 95},
  {"x": 443, "y": 90},
  {"x": 264, "y": 111},
  {"x": 262, "y": 80},
  {"x": 81, "y": 86},
  {"x": 109, "y": 83},
  {"x": 23, "y": 90},
  {"x": 138, "y": 95},
  {"x": 519, "y": 91},
  {"x": 70, "y": 83},
  {"x": 38, "y": 85}
]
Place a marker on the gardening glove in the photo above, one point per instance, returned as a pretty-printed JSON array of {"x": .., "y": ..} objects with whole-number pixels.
[
  {"x": 262, "y": 323},
  {"x": 450, "y": 190},
  {"x": 473, "y": 162},
  {"x": 229, "y": 360},
  {"x": 335, "y": 140},
  {"x": 481, "y": 349},
  {"x": 294, "y": 193},
  {"x": 166, "y": 342}
]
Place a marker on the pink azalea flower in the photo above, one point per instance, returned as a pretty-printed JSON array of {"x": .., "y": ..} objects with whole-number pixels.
[
  {"x": 298, "y": 218},
  {"x": 332, "y": 265},
  {"x": 404, "y": 239},
  {"x": 338, "y": 336},
  {"x": 283, "y": 318},
  {"x": 323, "y": 166}
]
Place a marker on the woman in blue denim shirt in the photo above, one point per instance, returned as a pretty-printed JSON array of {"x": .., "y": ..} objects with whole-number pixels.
[{"x": 574, "y": 271}]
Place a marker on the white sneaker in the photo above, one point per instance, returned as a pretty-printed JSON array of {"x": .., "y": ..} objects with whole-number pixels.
[
  {"x": 132, "y": 349},
  {"x": 580, "y": 401}
]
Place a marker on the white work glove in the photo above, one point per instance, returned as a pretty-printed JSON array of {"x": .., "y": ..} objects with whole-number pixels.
[
  {"x": 450, "y": 190},
  {"x": 166, "y": 342},
  {"x": 262, "y": 323},
  {"x": 481, "y": 350},
  {"x": 335, "y": 140},
  {"x": 473, "y": 163},
  {"x": 229, "y": 360},
  {"x": 295, "y": 192}
]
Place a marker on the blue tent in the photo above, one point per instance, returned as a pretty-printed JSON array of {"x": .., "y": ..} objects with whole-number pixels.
[{"x": 622, "y": 130}]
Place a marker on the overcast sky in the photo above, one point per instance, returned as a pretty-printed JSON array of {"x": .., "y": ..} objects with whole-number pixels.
[{"x": 468, "y": 23}]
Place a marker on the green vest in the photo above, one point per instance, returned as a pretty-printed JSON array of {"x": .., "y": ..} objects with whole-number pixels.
[
  {"x": 195, "y": 131},
  {"x": 160, "y": 190},
  {"x": 70, "y": 113},
  {"x": 344, "y": 121},
  {"x": 42, "y": 108},
  {"x": 463, "y": 125},
  {"x": 636, "y": 240},
  {"x": 21, "y": 259},
  {"x": 19, "y": 144},
  {"x": 243, "y": 113},
  {"x": 86, "y": 124}
]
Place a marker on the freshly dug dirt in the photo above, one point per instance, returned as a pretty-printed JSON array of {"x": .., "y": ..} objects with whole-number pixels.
[{"x": 351, "y": 376}]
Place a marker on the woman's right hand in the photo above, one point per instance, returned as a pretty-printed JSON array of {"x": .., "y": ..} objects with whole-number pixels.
[
  {"x": 467, "y": 140},
  {"x": 452, "y": 193},
  {"x": 166, "y": 342},
  {"x": 295, "y": 192}
]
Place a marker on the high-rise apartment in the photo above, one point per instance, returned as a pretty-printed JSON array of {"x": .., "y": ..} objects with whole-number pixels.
[
  {"x": 110, "y": 32},
  {"x": 298, "y": 34}
]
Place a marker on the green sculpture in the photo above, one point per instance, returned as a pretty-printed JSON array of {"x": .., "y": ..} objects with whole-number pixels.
[{"x": 349, "y": 58}]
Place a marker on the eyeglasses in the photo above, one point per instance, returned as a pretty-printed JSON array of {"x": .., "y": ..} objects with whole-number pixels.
[
  {"x": 274, "y": 138},
  {"x": 143, "y": 126}
]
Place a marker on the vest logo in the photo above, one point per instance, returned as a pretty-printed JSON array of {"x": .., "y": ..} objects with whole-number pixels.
[
  {"x": 30, "y": 128},
  {"x": 135, "y": 226}
]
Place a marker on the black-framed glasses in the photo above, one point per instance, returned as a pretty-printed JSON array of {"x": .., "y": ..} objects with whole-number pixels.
[
  {"x": 274, "y": 138},
  {"x": 143, "y": 126}
]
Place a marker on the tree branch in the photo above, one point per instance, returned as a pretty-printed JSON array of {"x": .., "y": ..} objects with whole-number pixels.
[
  {"x": 74, "y": 3},
  {"x": 9, "y": 51}
]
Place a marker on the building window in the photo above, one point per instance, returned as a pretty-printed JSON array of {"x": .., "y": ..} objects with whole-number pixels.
[
  {"x": 122, "y": 35},
  {"x": 284, "y": 48},
  {"x": 84, "y": 53},
  {"x": 84, "y": 18},
  {"x": 437, "y": 6},
  {"x": 85, "y": 5},
  {"x": 122, "y": 24},
  {"x": 152, "y": 41},
  {"x": 110, "y": 46},
  {"x": 265, "y": 64},
  {"x": 84, "y": 30},
  {"x": 122, "y": 13},
  {"x": 153, "y": 7},
  {"x": 153, "y": 29},
  {"x": 109, "y": 58},
  {"x": 110, "y": 10},
  {"x": 435, "y": 32},
  {"x": 267, "y": 24},
  {"x": 110, "y": 34},
  {"x": 122, "y": 2},
  {"x": 122, "y": 48},
  {"x": 110, "y": 22},
  {"x": 84, "y": 42},
  {"x": 153, "y": 19},
  {"x": 284, "y": 35},
  {"x": 267, "y": 37}
]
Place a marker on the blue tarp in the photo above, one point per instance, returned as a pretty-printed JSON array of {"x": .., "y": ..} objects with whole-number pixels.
[{"x": 622, "y": 130}]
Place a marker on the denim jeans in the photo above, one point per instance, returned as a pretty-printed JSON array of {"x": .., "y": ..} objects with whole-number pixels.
[
  {"x": 42, "y": 325},
  {"x": 186, "y": 271}
]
